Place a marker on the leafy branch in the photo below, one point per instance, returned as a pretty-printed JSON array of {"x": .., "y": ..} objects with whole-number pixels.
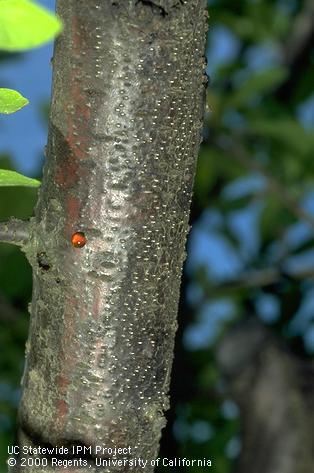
[
  {"x": 237, "y": 151},
  {"x": 23, "y": 25}
]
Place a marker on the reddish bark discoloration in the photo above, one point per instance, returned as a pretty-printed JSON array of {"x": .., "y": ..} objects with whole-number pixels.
[
  {"x": 78, "y": 122},
  {"x": 66, "y": 174},
  {"x": 62, "y": 411},
  {"x": 74, "y": 206}
]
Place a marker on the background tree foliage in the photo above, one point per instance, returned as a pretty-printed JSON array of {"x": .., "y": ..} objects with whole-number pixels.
[{"x": 250, "y": 250}]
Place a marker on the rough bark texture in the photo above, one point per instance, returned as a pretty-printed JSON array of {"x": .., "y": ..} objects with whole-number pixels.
[
  {"x": 15, "y": 232},
  {"x": 125, "y": 128},
  {"x": 275, "y": 393}
]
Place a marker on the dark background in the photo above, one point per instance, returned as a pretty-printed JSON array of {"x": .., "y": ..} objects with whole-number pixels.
[{"x": 250, "y": 250}]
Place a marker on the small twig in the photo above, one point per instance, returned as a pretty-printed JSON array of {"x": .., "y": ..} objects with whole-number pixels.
[
  {"x": 254, "y": 279},
  {"x": 15, "y": 231}
]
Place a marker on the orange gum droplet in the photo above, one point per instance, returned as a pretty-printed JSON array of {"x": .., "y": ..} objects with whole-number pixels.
[{"x": 78, "y": 240}]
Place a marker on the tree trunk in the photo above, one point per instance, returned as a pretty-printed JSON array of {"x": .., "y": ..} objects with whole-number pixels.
[
  {"x": 125, "y": 128},
  {"x": 275, "y": 392}
]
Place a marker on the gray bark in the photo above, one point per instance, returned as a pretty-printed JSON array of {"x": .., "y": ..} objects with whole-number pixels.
[
  {"x": 15, "y": 232},
  {"x": 125, "y": 128}
]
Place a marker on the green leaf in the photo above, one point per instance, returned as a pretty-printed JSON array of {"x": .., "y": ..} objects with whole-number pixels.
[
  {"x": 258, "y": 21},
  {"x": 11, "y": 101},
  {"x": 24, "y": 25},
  {"x": 286, "y": 131},
  {"x": 12, "y": 178},
  {"x": 257, "y": 84}
]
